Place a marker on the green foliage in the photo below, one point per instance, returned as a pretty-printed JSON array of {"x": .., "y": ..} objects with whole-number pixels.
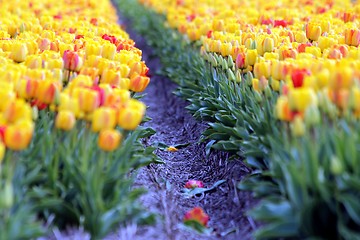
[
  {"x": 70, "y": 178},
  {"x": 309, "y": 185},
  {"x": 15, "y": 211}
]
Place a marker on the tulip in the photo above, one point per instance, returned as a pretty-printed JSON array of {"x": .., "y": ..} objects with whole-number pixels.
[
  {"x": 18, "y": 136},
  {"x": 314, "y": 51},
  {"x": 72, "y": 61},
  {"x": 298, "y": 127},
  {"x": 103, "y": 118},
  {"x": 2, "y": 151},
  {"x": 282, "y": 108},
  {"x": 117, "y": 98},
  {"x": 109, "y": 139},
  {"x": 47, "y": 91},
  {"x": 6, "y": 97},
  {"x": 44, "y": 44},
  {"x": 313, "y": 31},
  {"x": 226, "y": 49},
  {"x": 297, "y": 77},
  {"x": 194, "y": 184},
  {"x": 34, "y": 61},
  {"x": 268, "y": 44},
  {"x": 262, "y": 69},
  {"x": 109, "y": 51},
  {"x": 326, "y": 42},
  {"x": 87, "y": 98},
  {"x": 352, "y": 37},
  {"x": 130, "y": 116},
  {"x": 92, "y": 72},
  {"x": 65, "y": 120},
  {"x": 19, "y": 51},
  {"x": 301, "y": 98},
  {"x": 197, "y": 214},
  {"x": 139, "y": 83},
  {"x": 322, "y": 78},
  {"x": 355, "y": 99},
  {"x": 17, "y": 110},
  {"x": 240, "y": 60},
  {"x": 342, "y": 77},
  {"x": 251, "y": 57},
  {"x": 68, "y": 103},
  {"x": 300, "y": 37},
  {"x": 111, "y": 76},
  {"x": 93, "y": 49}
]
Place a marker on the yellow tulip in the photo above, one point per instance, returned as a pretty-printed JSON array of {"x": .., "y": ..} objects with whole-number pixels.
[
  {"x": 103, "y": 118},
  {"x": 130, "y": 116},
  {"x": 65, "y": 120}
]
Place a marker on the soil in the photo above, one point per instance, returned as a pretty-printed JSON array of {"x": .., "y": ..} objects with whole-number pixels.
[{"x": 225, "y": 205}]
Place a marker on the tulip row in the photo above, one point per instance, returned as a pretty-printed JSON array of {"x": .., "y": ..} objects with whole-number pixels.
[
  {"x": 70, "y": 61},
  {"x": 68, "y": 116},
  {"x": 311, "y": 56},
  {"x": 279, "y": 88}
]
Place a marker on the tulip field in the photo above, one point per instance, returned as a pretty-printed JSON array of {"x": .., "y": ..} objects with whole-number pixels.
[{"x": 276, "y": 82}]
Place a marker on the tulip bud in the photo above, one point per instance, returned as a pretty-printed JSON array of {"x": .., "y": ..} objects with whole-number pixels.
[
  {"x": 230, "y": 75},
  {"x": 7, "y": 196},
  {"x": 249, "y": 78},
  {"x": 268, "y": 92},
  {"x": 336, "y": 165},
  {"x": 298, "y": 127},
  {"x": 258, "y": 97},
  {"x": 65, "y": 120},
  {"x": 109, "y": 139},
  {"x": 103, "y": 118},
  {"x": 2, "y": 151},
  {"x": 230, "y": 62},
  {"x": 312, "y": 116},
  {"x": 238, "y": 76}
]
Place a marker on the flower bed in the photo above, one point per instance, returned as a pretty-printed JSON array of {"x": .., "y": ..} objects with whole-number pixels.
[
  {"x": 68, "y": 118},
  {"x": 279, "y": 87}
]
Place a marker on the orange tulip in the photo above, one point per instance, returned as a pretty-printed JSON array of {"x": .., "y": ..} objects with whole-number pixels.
[
  {"x": 109, "y": 139},
  {"x": 197, "y": 214},
  {"x": 352, "y": 37},
  {"x": 18, "y": 136},
  {"x": 139, "y": 83}
]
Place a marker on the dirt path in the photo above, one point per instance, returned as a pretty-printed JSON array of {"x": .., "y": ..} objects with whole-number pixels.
[{"x": 174, "y": 125}]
